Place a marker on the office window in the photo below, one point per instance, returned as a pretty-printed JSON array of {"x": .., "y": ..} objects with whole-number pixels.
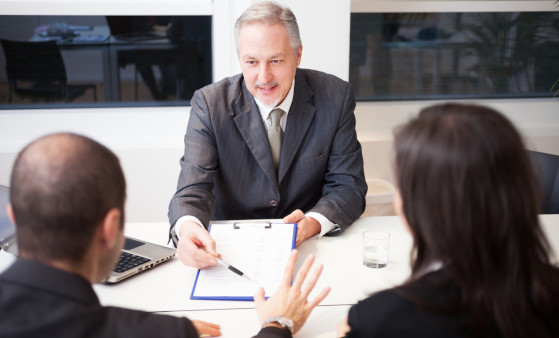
[
  {"x": 103, "y": 61},
  {"x": 400, "y": 56}
]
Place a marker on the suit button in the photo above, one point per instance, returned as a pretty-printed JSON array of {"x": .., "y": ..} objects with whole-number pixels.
[{"x": 273, "y": 203}]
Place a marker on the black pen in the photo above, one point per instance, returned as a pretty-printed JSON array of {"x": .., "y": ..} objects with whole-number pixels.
[{"x": 230, "y": 267}]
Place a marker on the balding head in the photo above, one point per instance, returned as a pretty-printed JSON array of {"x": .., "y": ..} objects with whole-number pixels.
[{"x": 62, "y": 186}]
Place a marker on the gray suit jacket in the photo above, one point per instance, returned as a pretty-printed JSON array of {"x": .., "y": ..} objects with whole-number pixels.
[{"x": 227, "y": 170}]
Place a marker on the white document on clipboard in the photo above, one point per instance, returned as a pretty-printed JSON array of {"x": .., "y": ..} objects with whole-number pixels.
[{"x": 260, "y": 250}]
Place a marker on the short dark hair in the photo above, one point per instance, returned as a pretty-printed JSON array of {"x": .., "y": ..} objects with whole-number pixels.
[
  {"x": 471, "y": 199},
  {"x": 62, "y": 186}
]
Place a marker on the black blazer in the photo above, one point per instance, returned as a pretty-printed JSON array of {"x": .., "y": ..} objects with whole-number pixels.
[
  {"x": 395, "y": 313},
  {"x": 390, "y": 313},
  {"x": 37, "y": 300},
  {"x": 227, "y": 170}
]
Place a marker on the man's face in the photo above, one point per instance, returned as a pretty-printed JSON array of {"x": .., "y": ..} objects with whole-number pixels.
[{"x": 267, "y": 61}]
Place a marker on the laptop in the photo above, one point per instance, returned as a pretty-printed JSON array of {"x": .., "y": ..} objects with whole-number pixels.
[
  {"x": 132, "y": 28},
  {"x": 8, "y": 241},
  {"x": 136, "y": 256}
]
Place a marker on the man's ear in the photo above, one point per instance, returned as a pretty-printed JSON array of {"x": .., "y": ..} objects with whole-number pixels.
[
  {"x": 110, "y": 228},
  {"x": 10, "y": 212},
  {"x": 299, "y": 54}
]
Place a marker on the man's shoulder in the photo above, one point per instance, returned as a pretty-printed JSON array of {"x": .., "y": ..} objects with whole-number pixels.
[
  {"x": 232, "y": 84},
  {"x": 221, "y": 95},
  {"x": 327, "y": 89}
]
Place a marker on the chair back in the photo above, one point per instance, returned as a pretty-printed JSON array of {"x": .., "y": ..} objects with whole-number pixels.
[
  {"x": 546, "y": 167},
  {"x": 34, "y": 61}
]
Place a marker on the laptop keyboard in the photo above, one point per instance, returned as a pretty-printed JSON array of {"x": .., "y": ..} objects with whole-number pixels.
[{"x": 128, "y": 261}]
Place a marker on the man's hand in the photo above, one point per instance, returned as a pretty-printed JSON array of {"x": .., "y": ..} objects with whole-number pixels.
[
  {"x": 206, "y": 329},
  {"x": 306, "y": 226},
  {"x": 196, "y": 247},
  {"x": 291, "y": 300}
]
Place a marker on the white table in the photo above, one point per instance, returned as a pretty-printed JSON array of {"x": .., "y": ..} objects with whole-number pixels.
[{"x": 166, "y": 288}]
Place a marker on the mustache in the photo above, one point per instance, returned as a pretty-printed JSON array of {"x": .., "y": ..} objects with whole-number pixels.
[{"x": 267, "y": 84}]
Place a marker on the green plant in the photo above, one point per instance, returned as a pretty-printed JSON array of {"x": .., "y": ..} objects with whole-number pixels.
[
  {"x": 505, "y": 43},
  {"x": 514, "y": 50}
]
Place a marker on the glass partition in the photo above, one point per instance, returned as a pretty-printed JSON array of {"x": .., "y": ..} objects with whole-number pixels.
[
  {"x": 103, "y": 61},
  {"x": 411, "y": 56}
]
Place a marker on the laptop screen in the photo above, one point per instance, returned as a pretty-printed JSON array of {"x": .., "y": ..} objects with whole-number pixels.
[{"x": 7, "y": 229}]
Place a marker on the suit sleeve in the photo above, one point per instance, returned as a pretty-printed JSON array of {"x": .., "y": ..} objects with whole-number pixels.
[
  {"x": 273, "y": 332},
  {"x": 198, "y": 166},
  {"x": 344, "y": 189},
  {"x": 386, "y": 314}
]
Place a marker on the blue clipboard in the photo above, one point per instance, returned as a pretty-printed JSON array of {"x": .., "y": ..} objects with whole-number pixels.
[{"x": 260, "y": 249}]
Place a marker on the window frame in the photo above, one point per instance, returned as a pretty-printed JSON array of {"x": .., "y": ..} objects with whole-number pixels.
[{"x": 434, "y": 6}]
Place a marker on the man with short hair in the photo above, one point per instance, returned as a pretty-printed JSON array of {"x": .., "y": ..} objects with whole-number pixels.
[
  {"x": 67, "y": 200},
  {"x": 273, "y": 142},
  {"x": 67, "y": 196}
]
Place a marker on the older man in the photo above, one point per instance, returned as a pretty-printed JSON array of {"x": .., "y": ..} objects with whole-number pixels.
[{"x": 273, "y": 142}]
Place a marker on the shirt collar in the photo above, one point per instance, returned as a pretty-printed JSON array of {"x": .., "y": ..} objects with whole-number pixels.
[{"x": 285, "y": 105}]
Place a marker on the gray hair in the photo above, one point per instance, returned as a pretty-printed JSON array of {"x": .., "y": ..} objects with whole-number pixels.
[{"x": 270, "y": 12}]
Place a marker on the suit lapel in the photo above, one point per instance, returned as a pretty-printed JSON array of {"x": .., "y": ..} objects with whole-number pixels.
[
  {"x": 250, "y": 125},
  {"x": 301, "y": 114}
]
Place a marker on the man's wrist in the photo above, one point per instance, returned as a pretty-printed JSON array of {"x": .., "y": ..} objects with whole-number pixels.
[
  {"x": 182, "y": 220},
  {"x": 279, "y": 321},
  {"x": 325, "y": 224}
]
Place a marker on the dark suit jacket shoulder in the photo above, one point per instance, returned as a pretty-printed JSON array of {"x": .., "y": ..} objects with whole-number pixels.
[
  {"x": 227, "y": 170},
  {"x": 427, "y": 307},
  {"x": 40, "y": 301},
  {"x": 392, "y": 313}
]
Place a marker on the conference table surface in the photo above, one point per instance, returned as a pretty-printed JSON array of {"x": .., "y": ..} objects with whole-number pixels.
[{"x": 166, "y": 288}]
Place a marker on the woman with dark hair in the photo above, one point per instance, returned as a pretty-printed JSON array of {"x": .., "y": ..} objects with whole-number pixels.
[{"x": 480, "y": 262}]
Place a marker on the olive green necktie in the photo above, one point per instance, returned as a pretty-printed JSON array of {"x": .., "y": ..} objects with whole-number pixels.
[{"x": 275, "y": 135}]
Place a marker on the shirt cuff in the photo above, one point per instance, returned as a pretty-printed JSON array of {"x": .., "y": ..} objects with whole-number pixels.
[
  {"x": 325, "y": 224},
  {"x": 183, "y": 219}
]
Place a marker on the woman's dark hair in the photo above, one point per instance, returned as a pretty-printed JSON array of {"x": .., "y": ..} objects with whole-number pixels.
[{"x": 471, "y": 200}]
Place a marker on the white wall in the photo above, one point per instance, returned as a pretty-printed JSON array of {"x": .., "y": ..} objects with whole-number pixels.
[
  {"x": 149, "y": 140},
  {"x": 537, "y": 120}
]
